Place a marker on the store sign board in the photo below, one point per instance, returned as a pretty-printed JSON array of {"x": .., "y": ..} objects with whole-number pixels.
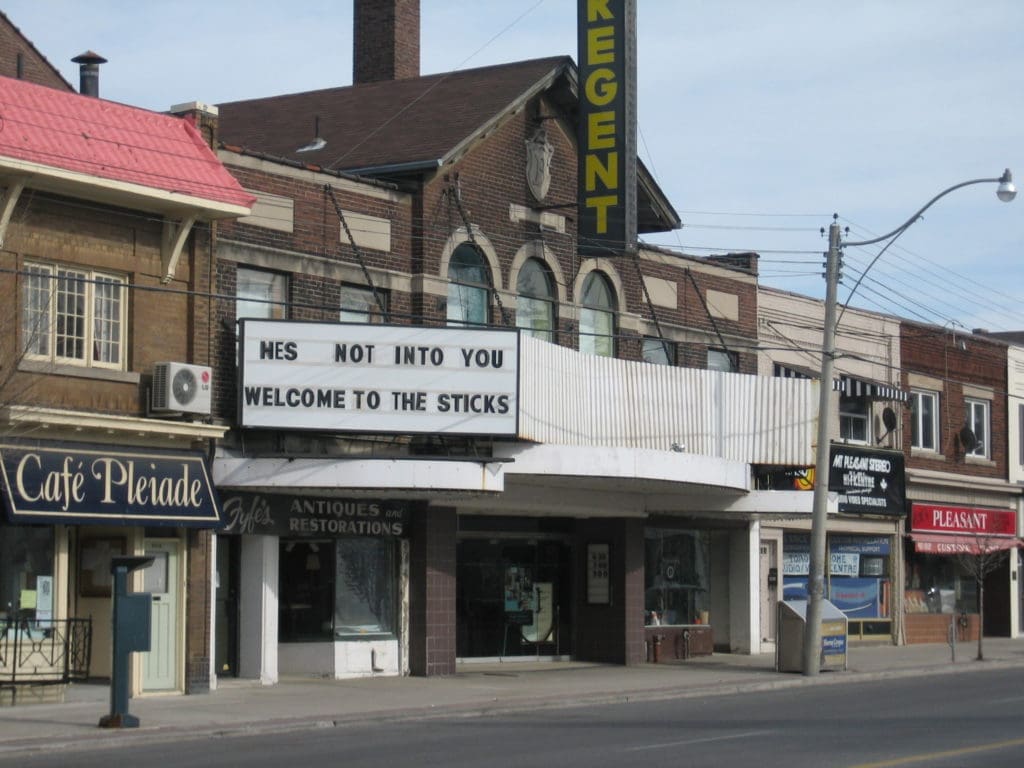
[
  {"x": 862, "y": 545},
  {"x": 868, "y": 481},
  {"x": 976, "y": 521},
  {"x": 796, "y": 563},
  {"x": 606, "y": 162},
  {"x": 844, "y": 564},
  {"x": 347, "y": 377},
  {"x": 272, "y": 514},
  {"x": 77, "y": 483}
]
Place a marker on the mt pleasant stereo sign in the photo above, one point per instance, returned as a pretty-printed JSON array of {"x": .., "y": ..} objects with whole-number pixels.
[{"x": 340, "y": 377}]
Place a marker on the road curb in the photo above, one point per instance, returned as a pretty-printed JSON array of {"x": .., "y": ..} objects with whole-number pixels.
[{"x": 479, "y": 709}]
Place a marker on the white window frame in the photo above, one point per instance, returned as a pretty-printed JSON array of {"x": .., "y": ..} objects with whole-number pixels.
[
  {"x": 271, "y": 305},
  {"x": 854, "y": 410},
  {"x": 44, "y": 294},
  {"x": 978, "y": 416},
  {"x": 917, "y": 396}
]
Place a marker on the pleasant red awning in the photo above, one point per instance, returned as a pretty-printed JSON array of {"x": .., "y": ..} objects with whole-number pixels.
[{"x": 952, "y": 544}]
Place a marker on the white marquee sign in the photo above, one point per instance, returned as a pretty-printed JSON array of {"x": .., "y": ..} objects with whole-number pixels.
[{"x": 340, "y": 377}]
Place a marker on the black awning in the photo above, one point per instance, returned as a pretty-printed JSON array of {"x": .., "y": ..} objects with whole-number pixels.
[{"x": 872, "y": 390}]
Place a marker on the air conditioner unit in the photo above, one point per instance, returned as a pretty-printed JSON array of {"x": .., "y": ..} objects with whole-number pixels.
[{"x": 181, "y": 388}]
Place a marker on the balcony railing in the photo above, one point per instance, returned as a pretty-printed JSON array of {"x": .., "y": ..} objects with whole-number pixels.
[{"x": 44, "y": 652}]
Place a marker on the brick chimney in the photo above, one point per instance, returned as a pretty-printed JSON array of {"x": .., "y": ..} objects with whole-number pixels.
[
  {"x": 204, "y": 118},
  {"x": 386, "y": 40}
]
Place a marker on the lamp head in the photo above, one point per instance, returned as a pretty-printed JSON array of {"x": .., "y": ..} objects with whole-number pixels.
[{"x": 1006, "y": 190}]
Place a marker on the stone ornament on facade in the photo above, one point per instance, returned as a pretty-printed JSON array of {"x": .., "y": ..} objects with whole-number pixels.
[{"x": 538, "y": 163}]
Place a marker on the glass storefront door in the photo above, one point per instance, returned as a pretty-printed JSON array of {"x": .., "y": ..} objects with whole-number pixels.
[{"x": 513, "y": 598}]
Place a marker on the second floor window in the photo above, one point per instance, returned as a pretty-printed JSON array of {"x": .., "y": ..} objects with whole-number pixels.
[
  {"x": 260, "y": 294},
  {"x": 73, "y": 316},
  {"x": 468, "y": 287},
  {"x": 597, "y": 317},
  {"x": 976, "y": 414},
  {"x": 924, "y": 420},
  {"x": 854, "y": 419},
  {"x": 722, "y": 360},
  {"x": 535, "y": 307},
  {"x": 358, "y": 304},
  {"x": 659, "y": 351}
]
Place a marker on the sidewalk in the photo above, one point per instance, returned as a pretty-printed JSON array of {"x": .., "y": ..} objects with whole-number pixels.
[{"x": 239, "y": 707}]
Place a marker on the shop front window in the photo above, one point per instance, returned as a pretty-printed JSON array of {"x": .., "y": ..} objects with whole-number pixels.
[
  {"x": 340, "y": 589},
  {"x": 26, "y": 573},
  {"x": 859, "y": 575},
  {"x": 676, "y": 583},
  {"x": 364, "y": 601},
  {"x": 939, "y": 584}
]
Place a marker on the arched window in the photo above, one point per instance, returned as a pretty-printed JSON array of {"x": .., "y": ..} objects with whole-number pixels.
[
  {"x": 535, "y": 307},
  {"x": 468, "y": 287},
  {"x": 597, "y": 317}
]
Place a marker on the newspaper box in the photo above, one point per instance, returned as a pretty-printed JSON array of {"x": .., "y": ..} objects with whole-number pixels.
[{"x": 789, "y": 647}]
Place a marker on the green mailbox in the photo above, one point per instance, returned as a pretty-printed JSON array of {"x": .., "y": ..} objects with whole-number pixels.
[{"x": 132, "y": 632}]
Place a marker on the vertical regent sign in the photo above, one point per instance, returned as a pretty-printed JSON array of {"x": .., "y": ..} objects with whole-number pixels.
[
  {"x": 341, "y": 377},
  {"x": 606, "y": 166}
]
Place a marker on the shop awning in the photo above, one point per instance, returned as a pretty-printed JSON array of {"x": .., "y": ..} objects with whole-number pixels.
[
  {"x": 951, "y": 544},
  {"x": 873, "y": 390},
  {"x": 83, "y": 483},
  {"x": 851, "y": 386}
]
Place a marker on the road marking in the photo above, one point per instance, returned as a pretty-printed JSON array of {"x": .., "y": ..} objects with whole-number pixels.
[
  {"x": 730, "y": 737},
  {"x": 1011, "y": 700},
  {"x": 911, "y": 759}
]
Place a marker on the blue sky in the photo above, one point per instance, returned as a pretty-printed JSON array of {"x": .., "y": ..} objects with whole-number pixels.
[{"x": 759, "y": 120}]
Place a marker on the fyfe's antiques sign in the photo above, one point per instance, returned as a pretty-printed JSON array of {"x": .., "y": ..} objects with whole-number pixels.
[{"x": 295, "y": 516}]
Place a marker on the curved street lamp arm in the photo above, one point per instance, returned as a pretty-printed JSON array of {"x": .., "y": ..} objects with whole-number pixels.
[{"x": 899, "y": 230}]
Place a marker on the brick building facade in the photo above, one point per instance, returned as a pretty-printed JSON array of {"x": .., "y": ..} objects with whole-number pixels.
[
  {"x": 955, "y": 441},
  {"x": 436, "y": 216},
  {"x": 108, "y": 270}
]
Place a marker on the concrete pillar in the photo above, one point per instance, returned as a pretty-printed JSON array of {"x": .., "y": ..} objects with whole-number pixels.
[
  {"x": 744, "y": 595},
  {"x": 258, "y": 609}
]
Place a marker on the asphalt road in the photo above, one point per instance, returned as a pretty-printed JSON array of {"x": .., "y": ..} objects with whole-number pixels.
[{"x": 962, "y": 720}]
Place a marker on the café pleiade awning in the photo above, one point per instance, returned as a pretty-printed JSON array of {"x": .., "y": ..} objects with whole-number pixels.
[{"x": 82, "y": 483}]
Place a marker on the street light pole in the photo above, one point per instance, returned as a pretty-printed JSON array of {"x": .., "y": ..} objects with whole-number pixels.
[{"x": 819, "y": 515}]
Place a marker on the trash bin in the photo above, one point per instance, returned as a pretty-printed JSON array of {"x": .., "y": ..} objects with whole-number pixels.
[{"x": 789, "y": 646}]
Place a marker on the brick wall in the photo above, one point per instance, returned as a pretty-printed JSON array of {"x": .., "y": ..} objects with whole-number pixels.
[
  {"x": 957, "y": 360},
  {"x": 386, "y": 38},
  {"x": 162, "y": 320},
  {"x": 481, "y": 186},
  {"x": 432, "y": 592},
  {"x": 197, "y": 612},
  {"x": 34, "y": 66}
]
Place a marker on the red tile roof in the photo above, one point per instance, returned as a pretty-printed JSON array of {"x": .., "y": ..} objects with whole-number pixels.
[{"x": 68, "y": 132}]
